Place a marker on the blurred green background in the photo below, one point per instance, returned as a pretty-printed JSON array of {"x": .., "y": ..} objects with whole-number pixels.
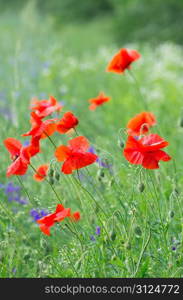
[{"x": 124, "y": 20}]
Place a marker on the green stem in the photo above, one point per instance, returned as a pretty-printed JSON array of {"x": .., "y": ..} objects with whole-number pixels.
[
  {"x": 138, "y": 88},
  {"x": 25, "y": 190},
  {"x": 50, "y": 139},
  {"x": 57, "y": 196},
  {"x": 159, "y": 210}
]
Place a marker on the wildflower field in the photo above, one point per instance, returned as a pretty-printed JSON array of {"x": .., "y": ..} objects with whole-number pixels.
[{"x": 91, "y": 153}]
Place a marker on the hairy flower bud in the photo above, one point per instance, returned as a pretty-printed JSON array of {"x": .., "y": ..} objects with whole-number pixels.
[{"x": 141, "y": 187}]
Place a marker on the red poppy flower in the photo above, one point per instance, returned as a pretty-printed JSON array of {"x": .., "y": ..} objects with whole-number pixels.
[
  {"x": 34, "y": 146},
  {"x": 59, "y": 215},
  {"x": 41, "y": 129},
  {"x": 44, "y": 108},
  {"x": 76, "y": 216},
  {"x": 146, "y": 151},
  {"x": 122, "y": 60},
  {"x": 74, "y": 155},
  {"x": 99, "y": 100},
  {"x": 68, "y": 121},
  {"x": 41, "y": 172},
  {"x": 141, "y": 123},
  {"x": 20, "y": 156}
]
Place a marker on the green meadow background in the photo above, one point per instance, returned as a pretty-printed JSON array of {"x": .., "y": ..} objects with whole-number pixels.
[{"x": 62, "y": 48}]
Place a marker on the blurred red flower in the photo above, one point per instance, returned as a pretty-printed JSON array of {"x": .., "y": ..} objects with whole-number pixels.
[
  {"x": 99, "y": 100},
  {"x": 68, "y": 121},
  {"x": 141, "y": 123},
  {"x": 19, "y": 155},
  {"x": 44, "y": 108},
  {"x": 146, "y": 151},
  {"x": 75, "y": 216},
  {"x": 122, "y": 60},
  {"x": 41, "y": 129},
  {"x": 41, "y": 172},
  {"x": 59, "y": 215},
  {"x": 74, "y": 155}
]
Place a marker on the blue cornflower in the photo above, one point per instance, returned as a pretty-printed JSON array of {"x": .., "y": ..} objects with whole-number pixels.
[
  {"x": 14, "y": 270},
  {"x": 13, "y": 193},
  {"x": 92, "y": 238},
  {"x": 102, "y": 163},
  {"x": 26, "y": 143},
  {"x": 97, "y": 232},
  {"x": 36, "y": 215},
  {"x": 11, "y": 188}
]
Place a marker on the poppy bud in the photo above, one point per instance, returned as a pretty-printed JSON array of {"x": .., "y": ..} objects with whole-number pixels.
[
  {"x": 138, "y": 231},
  {"x": 113, "y": 235},
  {"x": 51, "y": 180},
  {"x": 171, "y": 213},
  {"x": 50, "y": 173},
  {"x": 100, "y": 174},
  {"x": 121, "y": 143},
  {"x": 57, "y": 175},
  {"x": 141, "y": 187}
]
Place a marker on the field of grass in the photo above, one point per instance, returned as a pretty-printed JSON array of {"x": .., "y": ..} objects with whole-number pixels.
[{"x": 141, "y": 233}]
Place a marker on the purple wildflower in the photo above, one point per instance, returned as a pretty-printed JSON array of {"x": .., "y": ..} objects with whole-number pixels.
[
  {"x": 102, "y": 163},
  {"x": 14, "y": 270},
  {"x": 13, "y": 193},
  {"x": 26, "y": 143},
  {"x": 97, "y": 232},
  {"x": 92, "y": 238},
  {"x": 36, "y": 215},
  {"x": 11, "y": 188}
]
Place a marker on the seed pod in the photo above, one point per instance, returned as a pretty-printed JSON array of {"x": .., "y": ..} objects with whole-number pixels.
[
  {"x": 141, "y": 187},
  {"x": 57, "y": 175}
]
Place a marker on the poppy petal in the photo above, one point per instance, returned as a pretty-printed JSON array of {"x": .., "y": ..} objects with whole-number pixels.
[
  {"x": 67, "y": 166},
  {"x": 41, "y": 172},
  {"x": 76, "y": 216},
  {"x": 62, "y": 153},
  {"x": 63, "y": 214},
  {"x": 153, "y": 142},
  {"x": 133, "y": 156},
  {"x": 141, "y": 123},
  {"x": 59, "y": 208},
  {"x": 13, "y": 146},
  {"x": 161, "y": 155},
  {"x": 150, "y": 162},
  {"x": 18, "y": 167},
  {"x": 48, "y": 130},
  {"x": 79, "y": 144}
]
